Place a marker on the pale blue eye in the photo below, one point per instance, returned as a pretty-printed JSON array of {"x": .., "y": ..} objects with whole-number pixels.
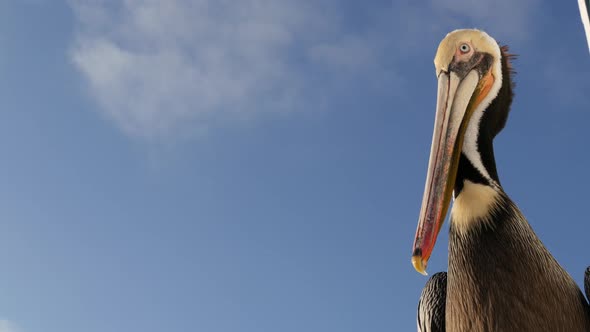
[{"x": 464, "y": 48}]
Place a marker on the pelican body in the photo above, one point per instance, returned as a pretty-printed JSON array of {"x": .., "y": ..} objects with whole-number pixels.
[{"x": 500, "y": 275}]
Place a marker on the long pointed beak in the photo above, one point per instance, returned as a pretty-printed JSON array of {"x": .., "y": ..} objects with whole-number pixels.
[{"x": 454, "y": 107}]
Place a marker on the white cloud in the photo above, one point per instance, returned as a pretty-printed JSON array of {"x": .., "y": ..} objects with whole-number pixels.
[
  {"x": 157, "y": 68},
  {"x": 8, "y": 326}
]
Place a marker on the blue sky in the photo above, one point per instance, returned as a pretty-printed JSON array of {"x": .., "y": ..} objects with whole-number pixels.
[{"x": 257, "y": 165}]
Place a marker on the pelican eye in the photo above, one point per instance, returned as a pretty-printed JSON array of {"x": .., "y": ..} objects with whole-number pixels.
[{"x": 464, "y": 48}]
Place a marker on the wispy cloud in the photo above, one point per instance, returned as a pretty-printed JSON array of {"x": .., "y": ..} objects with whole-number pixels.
[
  {"x": 159, "y": 68},
  {"x": 156, "y": 66},
  {"x": 8, "y": 326}
]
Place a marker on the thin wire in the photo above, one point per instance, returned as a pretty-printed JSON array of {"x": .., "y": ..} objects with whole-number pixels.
[{"x": 585, "y": 13}]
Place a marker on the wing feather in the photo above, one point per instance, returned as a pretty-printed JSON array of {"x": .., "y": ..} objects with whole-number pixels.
[{"x": 431, "y": 308}]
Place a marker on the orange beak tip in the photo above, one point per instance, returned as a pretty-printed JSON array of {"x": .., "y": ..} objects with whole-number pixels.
[{"x": 419, "y": 265}]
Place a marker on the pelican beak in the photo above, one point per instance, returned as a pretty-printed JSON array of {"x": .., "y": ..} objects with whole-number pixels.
[{"x": 458, "y": 96}]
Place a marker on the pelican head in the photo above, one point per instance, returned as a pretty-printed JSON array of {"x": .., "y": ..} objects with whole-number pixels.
[{"x": 470, "y": 66}]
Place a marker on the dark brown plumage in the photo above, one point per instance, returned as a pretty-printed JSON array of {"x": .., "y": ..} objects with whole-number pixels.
[
  {"x": 431, "y": 308},
  {"x": 587, "y": 283},
  {"x": 502, "y": 278}
]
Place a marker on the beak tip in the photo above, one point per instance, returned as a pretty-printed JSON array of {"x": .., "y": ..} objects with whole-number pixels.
[{"x": 419, "y": 264}]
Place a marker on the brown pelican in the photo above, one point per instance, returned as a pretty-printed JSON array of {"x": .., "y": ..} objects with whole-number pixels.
[{"x": 500, "y": 276}]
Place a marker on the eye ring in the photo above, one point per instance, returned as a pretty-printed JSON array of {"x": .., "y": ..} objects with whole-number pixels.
[{"x": 464, "y": 48}]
